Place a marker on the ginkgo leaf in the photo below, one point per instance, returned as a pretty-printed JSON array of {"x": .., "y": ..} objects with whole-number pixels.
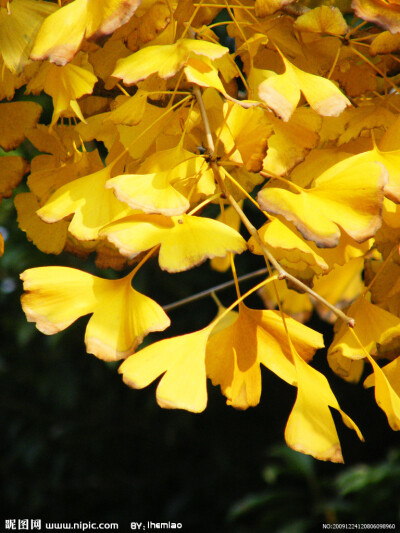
[
  {"x": 268, "y": 7},
  {"x": 184, "y": 239},
  {"x": 347, "y": 196},
  {"x": 387, "y": 390},
  {"x": 46, "y": 176},
  {"x": 65, "y": 85},
  {"x": 356, "y": 78},
  {"x": 288, "y": 247},
  {"x": 348, "y": 369},
  {"x": 166, "y": 60},
  {"x": 340, "y": 287},
  {"x": 10, "y": 82},
  {"x": 50, "y": 239},
  {"x": 203, "y": 73},
  {"x": 12, "y": 169},
  {"x": 381, "y": 12},
  {"x": 235, "y": 353},
  {"x": 62, "y": 33},
  {"x": 373, "y": 325},
  {"x": 316, "y": 162},
  {"x": 122, "y": 316},
  {"x": 281, "y": 92},
  {"x": 61, "y": 141},
  {"x": 391, "y": 161},
  {"x": 385, "y": 43},
  {"x": 82, "y": 198},
  {"x": 1, "y": 245},
  {"x": 310, "y": 428},
  {"x": 292, "y": 140},
  {"x": 181, "y": 360},
  {"x": 104, "y": 59},
  {"x": 153, "y": 189},
  {"x": 366, "y": 116},
  {"x": 139, "y": 139},
  {"x": 18, "y": 28},
  {"x": 99, "y": 127},
  {"x": 245, "y": 133},
  {"x": 152, "y": 193},
  {"x": 131, "y": 110},
  {"x": 322, "y": 19},
  {"x": 16, "y": 119}
]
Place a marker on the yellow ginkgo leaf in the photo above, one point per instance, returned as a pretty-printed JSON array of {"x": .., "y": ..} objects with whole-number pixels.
[
  {"x": 131, "y": 110},
  {"x": 316, "y": 162},
  {"x": 65, "y": 85},
  {"x": 340, "y": 287},
  {"x": 104, "y": 59},
  {"x": 139, "y": 138},
  {"x": 367, "y": 116},
  {"x": 310, "y": 428},
  {"x": 385, "y": 43},
  {"x": 203, "y": 73},
  {"x": 381, "y": 12},
  {"x": 245, "y": 133},
  {"x": 62, "y": 33},
  {"x": 47, "y": 176},
  {"x": 61, "y": 141},
  {"x": 292, "y": 140},
  {"x": 390, "y": 141},
  {"x": 181, "y": 360},
  {"x": 154, "y": 188},
  {"x": 268, "y": 7},
  {"x": 151, "y": 193},
  {"x": 82, "y": 198},
  {"x": 16, "y": 119},
  {"x": 288, "y": 247},
  {"x": 10, "y": 82},
  {"x": 391, "y": 161},
  {"x": 322, "y": 19},
  {"x": 1, "y": 245},
  {"x": 281, "y": 92},
  {"x": 347, "y": 196},
  {"x": 18, "y": 28},
  {"x": 49, "y": 238},
  {"x": 122, "y": 316},
  {"x": 12, "y": 169},
  {"x": 166, "y": 60},
  {"x": 373, "y": 326},
  {"x": 348, "y": 369},
  {"x": 346, "y": 250},
  {"x": 387, "y": 390},
  {"x": 235, "y": 353},
  {"x": 184, "y": 239}
]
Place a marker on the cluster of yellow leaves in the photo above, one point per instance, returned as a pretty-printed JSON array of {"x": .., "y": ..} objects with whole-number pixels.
[{"x": 303, "y": 105}]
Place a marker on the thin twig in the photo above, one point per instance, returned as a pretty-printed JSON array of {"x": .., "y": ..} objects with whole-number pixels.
[{"x": 217, "y": 288}]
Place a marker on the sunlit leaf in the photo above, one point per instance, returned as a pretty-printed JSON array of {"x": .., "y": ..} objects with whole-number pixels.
[
  {"x": 181, "y": 360},
  {"x": 184, "y": 239},
  {"x": 57, "y": 296},
  {"x": 62, "y": 33},
  {"x": 345, "y": 197}
]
